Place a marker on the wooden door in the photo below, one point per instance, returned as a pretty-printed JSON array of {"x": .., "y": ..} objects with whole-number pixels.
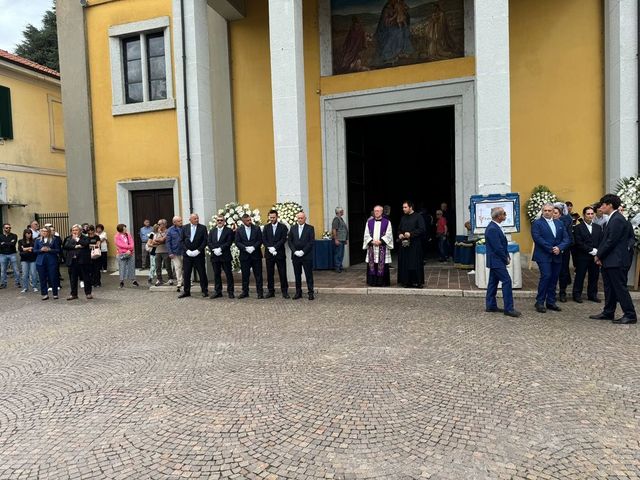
[{"x": 152, "y": 205}]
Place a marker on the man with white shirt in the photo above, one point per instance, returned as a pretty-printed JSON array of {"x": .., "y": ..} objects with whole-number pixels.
[
  {"x": 497, "y": 260},
  {"x": 587, "y": 236},
  {"x": 220, "y": 241},
  {"x": 194, "y": 239},
  {"x": 551, "y": 239},
  {"x": 274, "y": 237},
  {"x": 249, "y": 242},
  {"x": 378, "y": 242},
  {"x": 301, "y": 238}
]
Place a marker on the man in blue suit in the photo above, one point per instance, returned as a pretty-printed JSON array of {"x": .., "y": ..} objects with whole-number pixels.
[
  {"x": 551, "y": 238},
  {"x": 614, "y": 254},
  {"x": 497, "y": 261}
]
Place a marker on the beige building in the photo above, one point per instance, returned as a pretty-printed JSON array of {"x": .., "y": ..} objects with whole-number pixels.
[{"x": 32, "y": 163}]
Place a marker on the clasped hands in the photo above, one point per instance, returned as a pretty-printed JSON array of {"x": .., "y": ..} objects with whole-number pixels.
[
  {"x": 298, "y": 253},
  {"x": 193, "y": 253},
  {"x": 250, "y": 250}
]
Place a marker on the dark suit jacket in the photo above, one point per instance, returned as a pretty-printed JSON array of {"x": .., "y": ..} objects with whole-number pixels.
[
  {"x": 584, "y": 242},
  {"x": 224, "y": 242},
  {"x": 278, "y": 240},
  {"x": 50, "y": 257},
  {"x": 304, "y": 243},
  {"x": 545, "y": 241},
  {"x": 255, "y": 241},
  {"x": 83, "y": 254},
  {"x": 496, "y": 242},
  {"x": 616, "y": 246},
  {"x": 199, "y": 240}
]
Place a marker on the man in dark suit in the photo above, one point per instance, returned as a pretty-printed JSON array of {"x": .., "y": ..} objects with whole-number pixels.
[
  {"x": 301, "y": 238},
  {"x": 586, "y": 238},
  {"x": 614, "y": 255},
  {"x": 274, "y": 237},
  {"x": 551, "y": 239},
  {"x": 497, "y": 261},
  {"x": 194, "y": 239},
  {"x": 220, "y": 241},
  {"x": 564, "y": 278},
  {"x": 249, "y": 241}
]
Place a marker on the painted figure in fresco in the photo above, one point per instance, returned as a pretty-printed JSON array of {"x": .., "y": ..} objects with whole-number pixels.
[
  {"x": 439, "y": 42},
  {"x": 354, "y": 44},
  {"x": 393, "y": 34}
]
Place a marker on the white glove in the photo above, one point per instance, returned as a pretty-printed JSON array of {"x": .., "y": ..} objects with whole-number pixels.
[
  {"x": 217, "y": 251},
  {"x": 272, "y": 250},
  {"x": 193, "y": 253},
  {"x": 593, "y": 251},
  {"x": 250, "y": 249},
  {"x": 298, "y": 253}
]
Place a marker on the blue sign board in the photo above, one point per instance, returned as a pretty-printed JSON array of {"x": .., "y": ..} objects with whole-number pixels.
[{"x": 481, "y": 206}]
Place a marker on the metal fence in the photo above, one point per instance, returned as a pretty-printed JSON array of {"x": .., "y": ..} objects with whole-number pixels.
[{"x": 59, "y": 220}]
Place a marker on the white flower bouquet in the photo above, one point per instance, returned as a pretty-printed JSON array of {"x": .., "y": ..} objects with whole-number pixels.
[
  {"x": 540, "y": 195},
  {"x": 628, "y": 190},
  {"x": 233, "y": 213},
  {"x": 287, "y": 211}
]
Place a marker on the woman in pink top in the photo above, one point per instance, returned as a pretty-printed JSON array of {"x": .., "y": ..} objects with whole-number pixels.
[{"x": 126, "y": 259}]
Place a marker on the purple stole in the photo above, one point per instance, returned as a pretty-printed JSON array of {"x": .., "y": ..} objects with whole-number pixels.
[{"x": 377, "y": 269}]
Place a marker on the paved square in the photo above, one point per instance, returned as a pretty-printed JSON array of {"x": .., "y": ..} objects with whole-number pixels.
[{"x": 138, "y": 385}]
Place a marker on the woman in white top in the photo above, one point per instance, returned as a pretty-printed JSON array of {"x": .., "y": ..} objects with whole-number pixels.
[{"x": 104, "y": 246}]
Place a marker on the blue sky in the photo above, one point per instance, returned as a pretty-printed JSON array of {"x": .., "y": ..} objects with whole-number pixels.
[
  {"x": 14, "y": 17},
  {"x": 347, "y": 7}
]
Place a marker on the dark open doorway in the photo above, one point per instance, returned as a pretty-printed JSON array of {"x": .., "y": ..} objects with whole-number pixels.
[
  {"x": 152, "y": 205},
  {"x": 399, "y": 156}
]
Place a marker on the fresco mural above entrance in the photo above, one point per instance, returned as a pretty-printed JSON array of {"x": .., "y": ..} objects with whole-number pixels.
[{"x": 372, "y": 34}]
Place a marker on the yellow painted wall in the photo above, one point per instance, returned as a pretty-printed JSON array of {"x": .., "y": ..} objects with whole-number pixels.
[
  {"x": 127, "y": 147},
  {"x": 31, "y": 146},
  {"x": 557, "y": 100},
  {"x": 252, "y": 109}
]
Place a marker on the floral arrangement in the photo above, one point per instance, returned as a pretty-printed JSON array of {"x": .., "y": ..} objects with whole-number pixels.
[
  {"x": 233, "y": 213},
  {"x": 326, "y": 235},
  {"x": 539, "y": 196},
  {"x": 628, "y": 190},
  {"x": 287, "y": 211}
]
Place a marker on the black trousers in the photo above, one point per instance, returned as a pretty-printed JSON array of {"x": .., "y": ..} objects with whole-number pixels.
[
  {"x": 565, "y": 275},
  {"x": 82, "y": 272},
  {"x": 272, "y": 263},
  {"x": 246, "y": 266},
  {"x": 96, "y": 278},
  {"x": 218, "y": 267},
  {"x": 189, "y": 264},
  {"x": 616, "y": 291},
  {"x": 298, "y": 266},
  {"x": 585, "y": 265}
]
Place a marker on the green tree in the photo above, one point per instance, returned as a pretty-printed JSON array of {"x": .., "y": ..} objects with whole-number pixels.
[{"x": 41, "y": 44}]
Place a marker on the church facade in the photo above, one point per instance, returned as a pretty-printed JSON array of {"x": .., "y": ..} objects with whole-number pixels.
[{"x": 196, "y": 103}]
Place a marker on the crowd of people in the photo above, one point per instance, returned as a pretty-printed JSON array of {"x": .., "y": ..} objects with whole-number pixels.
[{"x": 601, "y": 242}]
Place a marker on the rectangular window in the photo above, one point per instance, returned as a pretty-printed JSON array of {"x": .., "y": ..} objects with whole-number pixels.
[{"x": 6, "y": 122}]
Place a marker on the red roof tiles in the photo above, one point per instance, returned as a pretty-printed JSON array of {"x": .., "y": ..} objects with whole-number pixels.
[{"x": 23, "y": 62}]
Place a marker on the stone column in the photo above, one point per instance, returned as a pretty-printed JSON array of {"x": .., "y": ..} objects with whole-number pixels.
[
  {"x": 493, "y": 129},
  {"x": 288, "y": 97},
  {"x": 621, "y": 90}
]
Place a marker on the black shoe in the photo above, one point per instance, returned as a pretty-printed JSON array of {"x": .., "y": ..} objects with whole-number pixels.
[
  {"x": 625, "y": 320},
  {"x": 184, "y": 295},
  {"x": 205, "y": 294},
  {"x": 554, "y": 307},
  {"x": 136, "y": 284},
  {"x": 496, "y": 309},
  {"x": 601, "y": 316},
  {"x": 243, "y": 295},
  {"x": 540, "y": 308},
  {"x": 260, "y": 296},
  {"x": 595, "y": 299},
  {"x": 231, "y": 295},
  {"x": 562, "y": 297},
  {"x": 311, "y": 296},
  {"x": 297, "y": 296},
  {"x": 270, "y": 295},
  {"x": 121, "y": 284},
  {"x": 513, "y": 313},
  {"x": 216, "y": 295},
  {"x": 577, "y": 299},
  {"x": 285, "y": 295}
]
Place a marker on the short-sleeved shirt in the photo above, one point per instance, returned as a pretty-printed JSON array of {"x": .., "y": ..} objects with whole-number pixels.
[
  {"x": 441, "y": 226},
  {"x": 162, "y": 248},
  {"x": 339, "y": 225}
]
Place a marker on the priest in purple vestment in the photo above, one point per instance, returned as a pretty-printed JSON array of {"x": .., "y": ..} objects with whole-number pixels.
[{"x": 378, "y": 242}]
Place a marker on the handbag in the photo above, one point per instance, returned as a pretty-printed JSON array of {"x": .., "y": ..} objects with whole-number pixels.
[
  {"x": 95, "y": 252},
  {"x": 124, "y": 255}
]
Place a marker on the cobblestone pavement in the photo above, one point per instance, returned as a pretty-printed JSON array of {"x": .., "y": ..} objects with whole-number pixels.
[{"x": 137, "y": 385}]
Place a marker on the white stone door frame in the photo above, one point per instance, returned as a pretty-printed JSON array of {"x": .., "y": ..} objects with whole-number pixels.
[
  {"x": 123, "y": 196},
  {"x": 458, "y": 93}
]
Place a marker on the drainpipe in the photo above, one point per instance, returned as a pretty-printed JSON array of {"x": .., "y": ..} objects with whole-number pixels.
[{"x": 186, "y": 107}]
